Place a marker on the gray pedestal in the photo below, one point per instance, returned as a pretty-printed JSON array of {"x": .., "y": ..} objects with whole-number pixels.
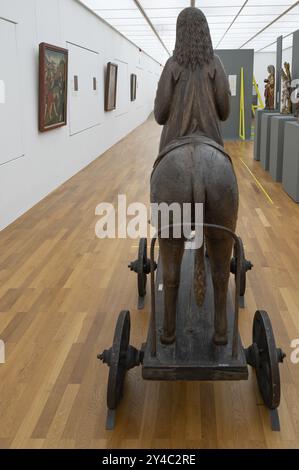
[
  {"x": 257, "y": 131},
  {"x": 277, "y": 145},
  {"x": 265, "y": 139},
  {"x": 290, "y": 175}
]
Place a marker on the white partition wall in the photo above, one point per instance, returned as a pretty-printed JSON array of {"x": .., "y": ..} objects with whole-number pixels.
[
  {"x": 123, "y": 88},
  {"x": 34, "y": 164},
  {"x": 11, "y": 147},
  {"x": 140, "y": 87},
  {"x": 86, "y": 105}
]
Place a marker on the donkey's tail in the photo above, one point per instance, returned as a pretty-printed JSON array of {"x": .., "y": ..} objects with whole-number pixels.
[{"x": 199, "y": 276}]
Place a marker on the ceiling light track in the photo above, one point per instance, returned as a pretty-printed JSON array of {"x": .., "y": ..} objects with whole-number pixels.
[
  {"x": 270, "y": 24},
  {"x": 142, "y": 11},
  {"x": 234, "y": 20},
  {"x": 274, "y": 42}
]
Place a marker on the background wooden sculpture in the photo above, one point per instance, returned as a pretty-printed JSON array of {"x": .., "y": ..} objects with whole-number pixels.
[
  {"x": 270, "y": 88},
  {"x": 297, "y": 104},
  {"x": 193, "y": 97},
  {"x": 286, "y": 102}
]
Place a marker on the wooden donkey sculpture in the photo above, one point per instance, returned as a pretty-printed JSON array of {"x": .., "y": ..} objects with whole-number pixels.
[{"x": 193, "y": 97}]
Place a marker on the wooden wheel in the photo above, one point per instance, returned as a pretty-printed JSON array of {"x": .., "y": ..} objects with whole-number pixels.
[
  {"x": 243, "y": 271},
  {"x": 117, "y": 358},
  {"x": 141, "y": 267},
  {"x": 267, "y": 359},
  {"x": 245, "y": 266},
  {"x": 117, "y": 363},
  {"x": 120, "y": 358}
]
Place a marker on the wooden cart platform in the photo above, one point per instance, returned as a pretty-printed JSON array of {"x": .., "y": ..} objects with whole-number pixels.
[{"x": 193, "y": 356}]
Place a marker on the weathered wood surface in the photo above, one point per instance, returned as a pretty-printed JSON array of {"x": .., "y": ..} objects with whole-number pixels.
[
  {"x": 193, "y": 97},
  {"x": 193, "y": 356}
]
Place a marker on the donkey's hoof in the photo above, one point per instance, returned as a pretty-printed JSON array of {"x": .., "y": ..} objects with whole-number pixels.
[
  {"x": 167, "y": 340},
  {"x": 220, "y": 340}
]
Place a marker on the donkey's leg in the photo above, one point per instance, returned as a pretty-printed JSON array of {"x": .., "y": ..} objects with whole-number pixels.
[
  {"x": 199, "y": 276},
  {"x": 220, "y": 255},
  {"x": 171, "y": 251},
  {"x": 221, "y": 208}
]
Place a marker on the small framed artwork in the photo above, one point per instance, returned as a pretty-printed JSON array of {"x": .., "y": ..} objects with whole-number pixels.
[
  {"x": 76, "y": 83},
  {"x": 111, "y": 87},
  {"x": 94, "y": 84},
  {"x": 133, "y": 86},
  {"x": 53, "y": 82}
]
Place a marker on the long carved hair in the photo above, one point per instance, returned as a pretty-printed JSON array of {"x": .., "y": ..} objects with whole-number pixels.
[
  {"x": 193, "y": 39},
  {"x": 271, "y": 69}
]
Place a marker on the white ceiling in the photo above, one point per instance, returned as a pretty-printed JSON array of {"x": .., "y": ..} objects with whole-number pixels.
[{"x": 234, "y": 24}]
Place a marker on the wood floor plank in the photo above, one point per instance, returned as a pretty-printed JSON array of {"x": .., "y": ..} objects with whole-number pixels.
[{"x": 61, "y": 290}]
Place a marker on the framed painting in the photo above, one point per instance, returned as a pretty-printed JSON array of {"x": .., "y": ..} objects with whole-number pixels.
[
  {"x": 53, "y": 82},
  {"x": 133, "y": 86},
  {"x": 111, "y": 87}
]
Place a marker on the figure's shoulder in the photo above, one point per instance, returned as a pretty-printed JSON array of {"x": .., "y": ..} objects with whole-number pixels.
[
  {"x": 173, "y": 67},
  {"x": 171, "y": 63},
  {"x": 217, "y": 62},
  {"x": 213, "y": 66},
  {"x": 217, "y": 66}
]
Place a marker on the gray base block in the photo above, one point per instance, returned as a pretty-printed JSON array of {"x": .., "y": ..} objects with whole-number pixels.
[
  {"x": 290, "y": 175},
  {"x": 265, "y": 139},
  {"x": 277, "y": 145},
  {"x": 257, "y": 132}
]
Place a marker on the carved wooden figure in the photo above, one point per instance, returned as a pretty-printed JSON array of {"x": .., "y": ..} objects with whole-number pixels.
[
  {"x": 192, "y": 167},
  {"x": 193, "y": 97},
  {"x": 286, "y": 102},
  {"x": 270, "y": 88},
  {"x": 297, "y": 104}
]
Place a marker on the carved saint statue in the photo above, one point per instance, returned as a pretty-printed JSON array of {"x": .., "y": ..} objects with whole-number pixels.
[
  {"x": 270, "y": 88},
  {"x": 286, "y": 93},
  {"x": 193, "y": 93},
  {"x": 297, "y": 103},
  {"x": 193, "y": 97}
]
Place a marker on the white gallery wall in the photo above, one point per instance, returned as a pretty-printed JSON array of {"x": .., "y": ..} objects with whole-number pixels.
[{"x": 32, "y": 164}]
